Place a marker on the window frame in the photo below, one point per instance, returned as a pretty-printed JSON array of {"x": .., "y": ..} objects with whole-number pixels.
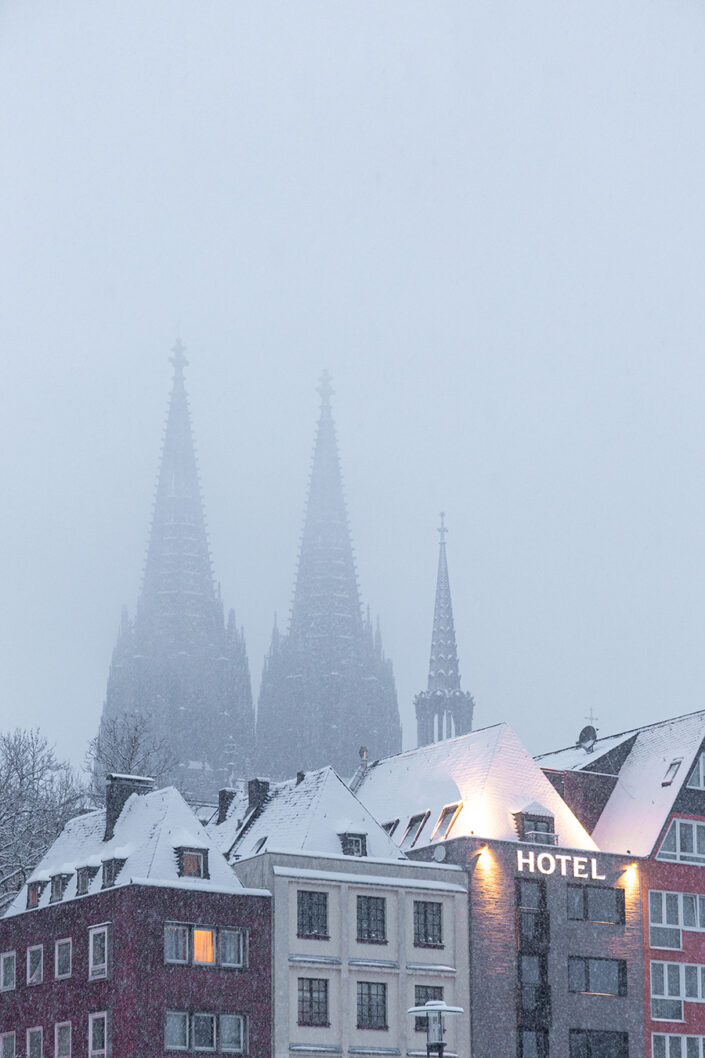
[
  {"x": 449, "y": 813},
  {"x": 58, "y": 976},
  {"x": 104, "y": 1051},
  {"x": 8, "y": 1036},
  {"x": 353, "y": 844},
  {"x": 668, "y": 970},
  {"x": 310, "y": 916},
  {"x": 414, "y": 829},
  {"x": 586, "y": 890},
  {"x": 587, "y": 1035},
  {"x": 99, "y": 971},
  {"x": 180, "y": 1014},
  {"x": 313, "y": 1011},
  {"x": 34, "y": 894},
  {"x": 7, "y": 955},
  {"x": 699, "y": 766},
  {"x": 39, "y": 948},
  {"x": 58, "y": 1025},
  {"x": 366, "y": 933},
  {"x": 243, "y": 935},
  {"x": 424, "y": 929},
  {"x": 677, "y": 826},
  {"x": 366, "y": 1002},
  {"x": 422, "y": 994},
  {"x": 214, "y": 1019},
  {"x": 27, "y": 1046},
  {"x": 242, "y": 1049},
  {"x": 84, "y": 877},
  {"x": 587, "y": 960}
]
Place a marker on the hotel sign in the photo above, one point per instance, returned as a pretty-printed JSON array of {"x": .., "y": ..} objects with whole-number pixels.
[{"x": 559, "y": 863}]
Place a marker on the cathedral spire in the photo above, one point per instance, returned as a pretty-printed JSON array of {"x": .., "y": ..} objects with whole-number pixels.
[
  {"x": 325, "y": 689},
  {"x": 443, "y": 710}
]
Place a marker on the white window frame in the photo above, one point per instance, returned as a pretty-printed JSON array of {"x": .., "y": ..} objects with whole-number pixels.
[
  {"x": 214, "y": 1018},
  {"x": 98, "y": 972},
  {"x": 58, "y": 1025},
  {"x": 8, "y": 1036},
  {"x": 697, "y": 772},
  {"x": 679, "y": 856},
  {"x": 680, "y": 924},
  {"x": 201, "y": 860},
  {"x": 242, "y": 1049},
  {"x": 39, "y": 948},
  {"x": 102, "y": 1052},
  {"x": 8, "y": 955},
  {"x": 243, "y": 935},
  {"x": 669, "y": 1037},
  {"x": 189, "y": 946},
  {"x": 40, "y": 1030},
  {"x": 686, "y": 994},
  {"x": 178, "y": 1014},
  {"x": 57, "y": 975}
]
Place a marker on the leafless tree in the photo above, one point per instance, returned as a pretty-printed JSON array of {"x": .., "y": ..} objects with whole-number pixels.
[
  {"x": 130, "y": 745},
  {"x": 38, "y": 794}
]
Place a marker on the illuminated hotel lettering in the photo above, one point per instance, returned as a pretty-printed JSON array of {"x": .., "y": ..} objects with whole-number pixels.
[{"x": 549, "y": 863}]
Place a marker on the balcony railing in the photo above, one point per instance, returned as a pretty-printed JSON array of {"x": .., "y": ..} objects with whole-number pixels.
[{"x": 541, "y": 837}]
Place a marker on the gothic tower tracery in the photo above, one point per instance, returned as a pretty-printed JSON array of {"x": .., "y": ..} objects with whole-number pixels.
[
  {"x": 443, "y": 710},
  {"x": 179, "y": 663},
  {"x": 327, "y": 688}
]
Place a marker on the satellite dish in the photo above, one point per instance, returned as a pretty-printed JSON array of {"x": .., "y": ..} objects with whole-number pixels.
[
  {"x": 439, "y": 853},
  {"x": 587, "y": 738}
]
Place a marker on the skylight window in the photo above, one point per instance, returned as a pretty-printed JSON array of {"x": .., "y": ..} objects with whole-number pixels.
[
  {"x": 672, "y": 771},
  {"x": 391, "y": 826},
  {"x": 413, "y": 830},
  {"x": 445, "y": 821}
]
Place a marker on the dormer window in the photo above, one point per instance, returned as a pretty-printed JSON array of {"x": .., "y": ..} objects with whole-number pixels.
[
  {"x": 111, "y": 870},
  {"x": 391, "y": 826},
  {"x": 536, "y": 827},
  {"x": 58, "y": 887},
  {"x": 34, "y": 892},
  {"x": 447, "y": 817},
  {"x": 354, "y": 844},
  {"x": 413, "y": 830},
  {"x": 84, "y": 877},
  {"x": 696, "y": 779},
  {"x": 192, "y": 863},
  {"x": 672, "y": 771}
]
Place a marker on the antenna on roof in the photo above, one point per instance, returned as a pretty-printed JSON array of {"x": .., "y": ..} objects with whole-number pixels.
[{"x": 587, "y": 738}]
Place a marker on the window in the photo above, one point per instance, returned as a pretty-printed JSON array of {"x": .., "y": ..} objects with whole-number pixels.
[
  {"x": 192, "y": 863},
  {"x": 313, "y": 1001},
  {"x": 671, "y": 984},
  {"x": 413, "y": 830},
  {"x": 8, "y": 964},
  {"x": 445, "y": 821},
  {"x": 532, "y": 983},
  {"x": 7, "y": 1045},
  {"x": 35, "y": 965},
  {"x": 670, "y": 913},
  {"x": 353, "y": 844},
  {"x": 311, "y": 914},
  {"x": 84, "y": 877},
  {"x": 176, "y": 1031},
  {"x": 606, "y": 977},
  {"x": 391, "y": 826},
  {"x": 593, "y": 903},
  {"x": 696, "y": 779},
  {"x": 371, "y": 919},
  {"x": 593, "y": 1043},
  {"x": 537, "y": 829},
  {"x": 111, "y": 870},
  {"x": 232, "y": 1033},
  {"x": 427, "y": 923},
  {"x": 232, "y": 947},
  {"x": 204, "y": 1032},
  {"x": 203, "y": 946},
  {"x": 371, "y": 1005},
  {"x": 423, "y": 994},
  {"x": 684, "y": 842},
  {"x": 97, "y": 952},
  {"x": 98, "y": 1035},
  {"x": 667, "y": 1045},
  {"x": 35, "y": 1043},
  {"x": 62, "y": 1039},
  {"x": 533, "y": 917},
  {"x": 34, "y": 892},
  {"x": 533, "y": 1044},
  {"x": 176, "y": 946},
  {"x": 62, "y": 959},
  {"x": 671, "y": 771}
]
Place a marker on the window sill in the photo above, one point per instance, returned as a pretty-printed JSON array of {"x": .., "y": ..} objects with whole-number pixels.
[
  {"x": 428, "y": 944},
  {"x": 371, "y": 940},
  {"x": 314, "y": 1024},
  {"x": 373, "y": 1028},
  {"x": 313, "y": 936}
]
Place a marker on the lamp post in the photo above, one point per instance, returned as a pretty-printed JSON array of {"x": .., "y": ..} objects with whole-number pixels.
[{"x": 434, "y": 1011}]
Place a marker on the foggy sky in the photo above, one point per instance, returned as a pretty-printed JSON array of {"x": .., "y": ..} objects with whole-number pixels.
[{"x": 485, "y": 219}]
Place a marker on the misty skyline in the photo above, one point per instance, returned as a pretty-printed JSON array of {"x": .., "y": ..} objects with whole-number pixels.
[{"x": 486, "y": 222}]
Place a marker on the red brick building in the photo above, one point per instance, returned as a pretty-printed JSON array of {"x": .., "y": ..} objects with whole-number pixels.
[{"x": 134, "y": 937}]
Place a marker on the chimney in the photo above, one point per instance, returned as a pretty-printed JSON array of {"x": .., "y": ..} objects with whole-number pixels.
[
  {"x": 117, "y": 789},
  {"x": 225, "y": 799},
  {"x": 257, "y": 790},
  {"x": 300, "y": 776}
]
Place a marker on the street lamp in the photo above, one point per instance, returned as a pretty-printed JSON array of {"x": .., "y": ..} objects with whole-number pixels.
[{"x": 434, "y": 1011}]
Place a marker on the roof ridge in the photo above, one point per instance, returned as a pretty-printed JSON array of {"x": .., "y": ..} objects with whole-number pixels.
[{"x": 623, "y": 734}]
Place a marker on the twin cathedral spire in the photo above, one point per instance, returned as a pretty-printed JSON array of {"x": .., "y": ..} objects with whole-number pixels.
[{"x": 327, "y": 688}]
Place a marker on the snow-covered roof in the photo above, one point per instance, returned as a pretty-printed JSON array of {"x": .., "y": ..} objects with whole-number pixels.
[
  {"x": 577, "y": 758},
  {"x": 147, "y": 833},
  {"x": 309, "y": 814},
  {"x": 640, "y": 804},
  {"x": 488, "y": 772}
]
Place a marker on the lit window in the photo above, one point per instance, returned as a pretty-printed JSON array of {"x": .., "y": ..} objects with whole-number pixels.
[
  {"x": 413, "y": 830},
  {"x": 97, "y": 1035},
  {"x": 371, "y": 1005},
  {"x": 35, "y": 965},
  {"x": 62, "y": 1039},
  {"x": 176, "y": 1031},
  {"x": 427, "y": 923},
  {"x": 62, "y": 958},
  {"x": 232, "y": 1033},
  {"x": 35, "y": 1042},
  {"x": 192, "y": 863},
  {"x": 312, "y": 914},
  {"x": 204, "y": 1032},
  {"x": 445, "y": 821},
  {"x": 176, "y": 943},
  {"x": 607, "y": 977},
  {"x": 98, "y": 952},
  {"x": 671, "y": 771},
  {"x": 696, "y": 779},
  {"x": 232, "y": 947},
  {"x": 8, "y": 964},
  {"x": 7, "y": 1045},
  {"x": 204, "y": 946}
]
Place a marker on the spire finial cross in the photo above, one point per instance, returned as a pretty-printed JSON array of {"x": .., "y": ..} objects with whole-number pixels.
[
  {"x": 178, "y": 359},
  {"x": 591, "y": 718},
  {"x": 442, "y": 531}
]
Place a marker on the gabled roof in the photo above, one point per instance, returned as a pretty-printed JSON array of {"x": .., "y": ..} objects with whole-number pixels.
[
  {"x": 488, "y": 771},
  {"x": 148, "y": 831},
  {"x": 307, "y": 815},
  {"x": 640, "y": 804}
]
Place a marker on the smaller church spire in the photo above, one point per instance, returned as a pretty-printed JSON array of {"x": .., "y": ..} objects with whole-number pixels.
[
  {"x": 178, "y": 360},
  {"x": 443, "y": 710}
]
